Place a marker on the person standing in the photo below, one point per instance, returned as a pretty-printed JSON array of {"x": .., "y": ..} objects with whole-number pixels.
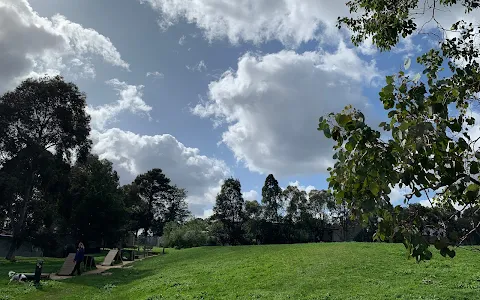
[{"x": 78, "y": 259}]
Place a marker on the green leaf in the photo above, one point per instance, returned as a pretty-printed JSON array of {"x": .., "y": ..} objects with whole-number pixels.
[
  {"x": 455, "y": 93},
  {"x": 388, "y": 90},
  {"x": 418, "y": 193},
  {"x": 474, "y": 168},
  {"x": 472, "y": 187},
  {"x": 374, "y": 188},
  {"x": 404, "y": 126},
  {"x": 389, "y": 80},
  {"x": 407, "y": 63},
  {"x": 392, "y": 113},
  {"x": 349, "y": 146},
  {"x": 343, "y": 119},
  {"x": 327, "y": 133}
]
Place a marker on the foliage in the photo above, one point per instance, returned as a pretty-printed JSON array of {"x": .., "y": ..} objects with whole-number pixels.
[
  {"x": 40, "y": 115},
  {"x": 229, "y": 209},
  {"x": 272, "y": 199},
  {"x": 191, "y": 234},
  {"x": 430, "y": 150},
  {"x": 175, "y": 208},
  {"x": 297, "y": 209},
  {"x": 98, "y": 211},
  {"x": 161, "y": 202},
  {"x": 368, "y": 271},
  {"x": 134, "y": 206}
]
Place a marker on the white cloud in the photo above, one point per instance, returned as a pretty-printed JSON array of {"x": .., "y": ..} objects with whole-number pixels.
[
  {"x": 83, "y": 41},
  {"x": 407, "y": 45},
  {"x": 251, "y": 195},
  {"x": 207, "y": 213},
  {"x": 425, "y": 203},
  {"x": 272, "y": 103},
  {"x": 31, "y": 45},
  {"x": 201, "y": 66},
  {"x": 290, "y": 21},
  {"x": 302, "y": 187},
  {"x": 133, "y": 154},
  {"x": 397, "y": 195},
  {"x": 156, "y": 75},
  {"x": 130, "y": 100},
  {"x": 182, "y": 40}
]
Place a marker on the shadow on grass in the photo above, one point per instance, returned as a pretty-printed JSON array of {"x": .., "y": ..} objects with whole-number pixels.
[{"x": 119, "y": 276}]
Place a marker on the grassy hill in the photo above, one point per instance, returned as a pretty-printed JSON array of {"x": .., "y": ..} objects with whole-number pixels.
[{"x": 306, "y": 271}]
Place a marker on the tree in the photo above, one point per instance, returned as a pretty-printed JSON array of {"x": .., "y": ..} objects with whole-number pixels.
[
  {"x": 229, "y": 208},
  {"x": 319, "y": 202},
  {"x": 253, "y": 221},
  {"x": 175, "y": 208},
  {"x": 341, "y": 215},
  {"x": 98, "y": 211},
  {"x": 297, "y": 209},
  {"x": 272, "y": 199},
  {"x": 153, "y": 189},
  {"x": 430, "y": 150},
  {"x": 253, "y": 210},
  {"x": 45, "y": 114},
  {"x": 49, "y": 190}
]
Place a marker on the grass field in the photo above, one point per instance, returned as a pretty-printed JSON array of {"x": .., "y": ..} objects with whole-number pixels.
[{"x": 304, "y": 271}]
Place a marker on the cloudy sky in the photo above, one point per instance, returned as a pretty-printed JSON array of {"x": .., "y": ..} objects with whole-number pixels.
[{"x": 204, "y": 89}]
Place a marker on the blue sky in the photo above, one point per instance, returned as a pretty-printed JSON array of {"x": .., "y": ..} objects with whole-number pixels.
[{"x": 227, "y": 89}]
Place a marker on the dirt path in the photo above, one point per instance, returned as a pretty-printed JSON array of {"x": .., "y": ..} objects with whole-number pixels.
[{"x": 99, "y": 270}]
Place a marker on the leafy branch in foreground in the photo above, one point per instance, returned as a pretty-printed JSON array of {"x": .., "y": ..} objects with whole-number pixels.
[{"x": 429, "y": 149}]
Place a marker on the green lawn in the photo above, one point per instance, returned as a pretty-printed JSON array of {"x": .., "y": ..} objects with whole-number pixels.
[{"x": 306, "y": 271}]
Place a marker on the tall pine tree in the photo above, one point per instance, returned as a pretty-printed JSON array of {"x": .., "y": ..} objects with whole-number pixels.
[
  {"x": 229, "y": 209},
  {"x": 272, "y": 199}
]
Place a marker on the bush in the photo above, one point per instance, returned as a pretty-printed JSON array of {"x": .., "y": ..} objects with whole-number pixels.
[{"x": 188, "y": 235}]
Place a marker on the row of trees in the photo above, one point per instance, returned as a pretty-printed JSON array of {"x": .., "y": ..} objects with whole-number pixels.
[
  {"x": 284, "y": 216},
  {"x": 295, "y": 216},
  {"x": 54, "y": 191}
]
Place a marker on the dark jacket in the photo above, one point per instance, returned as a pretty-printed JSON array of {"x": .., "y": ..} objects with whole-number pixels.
[{"x": 79, "y": 255}]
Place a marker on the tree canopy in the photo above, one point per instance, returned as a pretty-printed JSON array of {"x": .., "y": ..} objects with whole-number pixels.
[
  {"x": 428, "y": 148},
  {"x": 40, "y": 115}
]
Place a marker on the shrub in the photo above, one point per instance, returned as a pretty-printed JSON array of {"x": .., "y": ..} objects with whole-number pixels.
[{"x": 191, "y": 234}]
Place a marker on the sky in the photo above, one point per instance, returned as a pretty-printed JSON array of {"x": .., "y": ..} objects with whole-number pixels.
[{"x": 206, "y": 89}]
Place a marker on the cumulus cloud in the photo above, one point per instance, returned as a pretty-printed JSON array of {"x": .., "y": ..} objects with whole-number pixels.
[
  {"x": 130, "y": 100},
  {"x": 31, "y": 45},
  {"x": 272, "y": 103},
  {"x": 133, "y": 154},
  {"x": 290, "y": 21},
  {"x": 251, "y": 195},
  {"x": 397, "y": 195}
]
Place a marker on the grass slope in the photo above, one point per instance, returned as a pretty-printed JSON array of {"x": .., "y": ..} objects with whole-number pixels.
[{"x": 303, "y": 271}]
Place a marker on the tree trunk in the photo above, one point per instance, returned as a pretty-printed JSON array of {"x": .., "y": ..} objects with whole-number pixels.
[{"x": 17, "y": 238}]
